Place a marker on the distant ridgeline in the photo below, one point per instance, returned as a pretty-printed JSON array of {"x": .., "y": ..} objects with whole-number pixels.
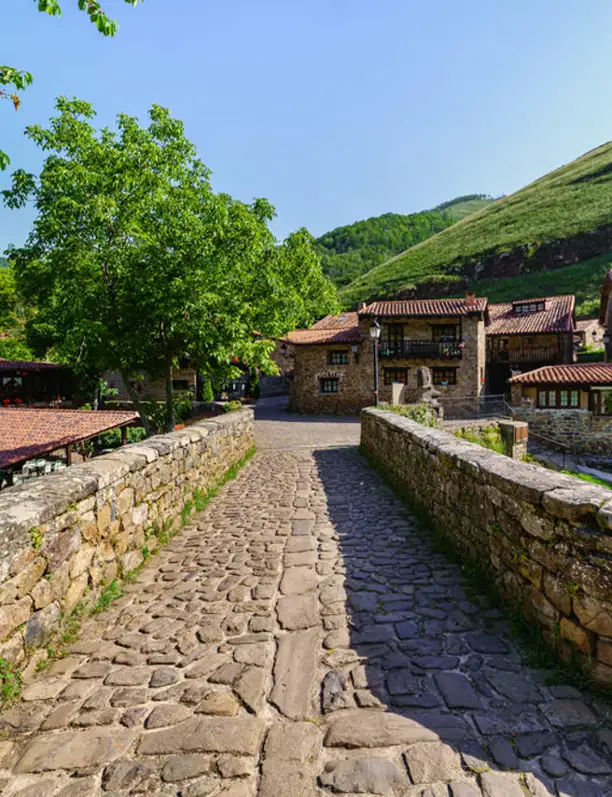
[
  {"x": 558, "y": 221},
  {"x": 350, "y": 251}
]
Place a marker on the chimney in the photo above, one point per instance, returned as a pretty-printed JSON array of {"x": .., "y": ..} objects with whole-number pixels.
[{"x": 470, "y": 299}]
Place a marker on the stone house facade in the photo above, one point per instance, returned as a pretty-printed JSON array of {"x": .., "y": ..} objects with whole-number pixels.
[
  {"x": 528, "y": 334},
  {"x": 334, "y": 360},
  {"x": 589, "y": 332}
]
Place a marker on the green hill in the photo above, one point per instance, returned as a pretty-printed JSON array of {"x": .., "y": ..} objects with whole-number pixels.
[
  {"x": 582, "y": 279},
  {"x": 350, "y": 251},
  {"x": 549, "y": 223}
]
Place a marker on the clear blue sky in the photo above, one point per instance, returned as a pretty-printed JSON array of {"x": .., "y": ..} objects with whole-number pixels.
[{"x": 334, "y": 110}]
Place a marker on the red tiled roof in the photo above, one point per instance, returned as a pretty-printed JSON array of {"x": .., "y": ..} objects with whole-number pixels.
[
  {"x": 558, "y": 316},
  {"x": 343, "y": 328},
  {"x": 27, "y": 365},
  {"x": 586, "y": 323},
  {"x": 26, "y": 433},
  {"x": 576, "y": 374},
  {"x": 342, "y": 321},
  {"x": 424, "y": 307}
]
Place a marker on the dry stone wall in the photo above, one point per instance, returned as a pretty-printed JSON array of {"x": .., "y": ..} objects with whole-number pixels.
[
  {"x": 66, "y": 535},
  {"x": 544, "y": 538},
  {"x": 580, "y": 430}
]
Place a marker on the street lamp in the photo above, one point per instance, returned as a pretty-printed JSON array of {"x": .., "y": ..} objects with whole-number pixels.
[{"x": 375, "y": 335}]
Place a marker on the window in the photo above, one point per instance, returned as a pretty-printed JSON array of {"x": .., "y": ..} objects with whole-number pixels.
[
  {"x": 444, "y": 376},
  {"x": 558, "y": 399},
  {"x": 180, "y": 384},
  {"x": 563, "y": 398},
  {"x": 329, "y": 385},
  {"x": 574, "y": 398},
  {"x": 396, "y": 375},
  {"x": 338, "y": 357},
  {"x": 444, "y": 332},
  {"x": 520, "y": 308},
  {"x": 552, "y": 398},
  {"x": 542, "y": 398}
]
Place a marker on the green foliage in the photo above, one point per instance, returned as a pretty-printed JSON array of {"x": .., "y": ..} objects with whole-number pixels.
[
  {"x": 570, "y": 201},
  {"x": 207, "y": 391},
  {"x": 131, "y": 280},
  {"x": 487, "y": 437},
  {"x": 187, "y": 512},
  {"x": 231, "y": 406},
  {"x": 12, "y": 318},
  {"x": 112, "y": 438},
  {"x": 10, "y": 683},
  {"x": 586, "y": 477},
  {"x": 350, "y": 251},
  {"x": 109, "y": 594},
  {"x": 36, "y": 538},
  {"x": 419, "y": 413}
]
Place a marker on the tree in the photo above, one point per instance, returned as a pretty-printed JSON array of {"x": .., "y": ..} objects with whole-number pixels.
[
  {"x": 134, "y": 261},
  {"x": 18, "y": 79},
  {"x": 12, "y": 320}
]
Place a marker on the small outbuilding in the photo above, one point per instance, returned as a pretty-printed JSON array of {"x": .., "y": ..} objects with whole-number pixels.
[{"x": 586, "y": 386}]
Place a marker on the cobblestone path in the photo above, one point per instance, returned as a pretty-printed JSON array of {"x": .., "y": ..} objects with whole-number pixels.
[{"x": 300, "y": 638}]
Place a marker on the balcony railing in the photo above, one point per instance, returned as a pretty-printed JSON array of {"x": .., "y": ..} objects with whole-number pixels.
[
  {"x": 533, "y": 354},
  {"x": 422, "y": 349}
]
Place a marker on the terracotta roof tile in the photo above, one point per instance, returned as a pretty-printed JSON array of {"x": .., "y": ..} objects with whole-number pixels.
[
  {"x": 586, "y": 323},
  {"x": 424, "y": 307},
  {"x": 343, "y": 328},
  {"x": 558, "y": 316},
  {"x": 28, "y": 365},
  {"x": 575, "y": 374},
  {"x": 26, "y": 433}
]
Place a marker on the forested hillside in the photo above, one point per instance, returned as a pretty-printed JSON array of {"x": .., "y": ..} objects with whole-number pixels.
[{"x": 562, "y": 218}]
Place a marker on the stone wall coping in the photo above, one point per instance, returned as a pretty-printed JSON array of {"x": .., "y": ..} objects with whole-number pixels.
[
  {"x": 35, "y": 502},
  {"x": 561, "y": 495}
]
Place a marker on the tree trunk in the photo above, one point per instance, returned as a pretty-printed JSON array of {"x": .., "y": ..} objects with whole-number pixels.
[
  {"x": 140, "y": 409},
  {"x": 169, "y": 397}
]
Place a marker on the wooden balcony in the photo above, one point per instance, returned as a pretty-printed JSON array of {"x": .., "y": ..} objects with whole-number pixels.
[
  {"x": 527, "y": 354},
  {"x": 421, "y": 349}
]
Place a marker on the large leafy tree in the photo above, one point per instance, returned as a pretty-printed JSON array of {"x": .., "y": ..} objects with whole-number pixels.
[
  {"x": 13, "y": 79},
  {"x": 134, "y": 261}
]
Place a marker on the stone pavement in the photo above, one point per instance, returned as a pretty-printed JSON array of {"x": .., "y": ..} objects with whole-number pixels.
[{"x": 301, "y": 638}]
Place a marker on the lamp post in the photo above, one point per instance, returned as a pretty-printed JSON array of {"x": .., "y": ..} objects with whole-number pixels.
[{"x": 375, "y": 335}]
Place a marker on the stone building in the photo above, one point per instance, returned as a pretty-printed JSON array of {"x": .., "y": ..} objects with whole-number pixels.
[
  {"x": 578, "y": 386},
  {"x": 589, "y": 332},
  {"x": 605, "y": 313},
  {"x": 528, "y": 334},
  {"x": 334, "y": 360}
]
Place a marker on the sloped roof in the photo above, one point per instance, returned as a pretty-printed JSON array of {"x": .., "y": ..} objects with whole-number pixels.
[
  {"x": 575, "y": 374},
  {"x": 28, "y": 365},
  {"x": 342, "y": 328},
  {"x": 586, "y": 323},
  {"x": 424, "y": 307},
  {"x": 26, "y": 433},
  {"x": 558, "y": 316}
]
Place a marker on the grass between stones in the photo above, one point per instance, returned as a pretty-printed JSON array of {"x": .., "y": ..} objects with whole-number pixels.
[
  {"x": 70, "y": 624},
  {"x": 531, "y": 645}
]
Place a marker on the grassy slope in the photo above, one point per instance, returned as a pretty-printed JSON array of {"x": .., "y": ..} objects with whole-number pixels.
[
  {"x": 584, "y": 279},
  {"x": 569, "y": 201},
  {"x": 462, "y": 209}
]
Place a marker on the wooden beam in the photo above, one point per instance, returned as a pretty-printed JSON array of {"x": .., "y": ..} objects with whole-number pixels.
[
  {"x": 123, "y": 435},
  {"x": 69, "y": 454}
]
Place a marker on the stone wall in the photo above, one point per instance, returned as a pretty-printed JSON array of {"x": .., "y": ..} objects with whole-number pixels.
[
  {"x": 579, "y": 430},
  {"x": 544, "y": 538},
  {"x": 66, "y": 535}
]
